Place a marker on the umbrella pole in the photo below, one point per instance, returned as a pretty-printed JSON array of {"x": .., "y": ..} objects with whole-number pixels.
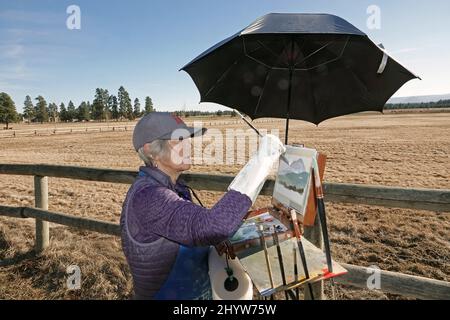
[
  {"x": 291, "y": 71},
  {"x": 286, "y": 132}
]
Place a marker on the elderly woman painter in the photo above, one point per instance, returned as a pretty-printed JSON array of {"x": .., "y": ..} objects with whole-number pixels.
[{"x": 165, "y": 236}]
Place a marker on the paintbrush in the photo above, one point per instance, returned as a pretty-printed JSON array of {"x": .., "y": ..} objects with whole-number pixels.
[{"x": 301, "y": 249}]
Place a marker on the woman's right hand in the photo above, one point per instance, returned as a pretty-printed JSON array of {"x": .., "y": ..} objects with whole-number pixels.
[{"x": 270, "y": 146}]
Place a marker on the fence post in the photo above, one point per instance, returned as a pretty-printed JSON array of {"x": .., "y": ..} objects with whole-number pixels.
[
  {"x": 41, "y": 202},
  {"x": 314, "y": 235}
]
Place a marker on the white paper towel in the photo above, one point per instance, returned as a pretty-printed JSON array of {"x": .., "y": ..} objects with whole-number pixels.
[{"x": 218, "y": 275}]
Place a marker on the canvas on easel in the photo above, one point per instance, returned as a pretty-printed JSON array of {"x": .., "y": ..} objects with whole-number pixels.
[{"x": 293, "y": 181}]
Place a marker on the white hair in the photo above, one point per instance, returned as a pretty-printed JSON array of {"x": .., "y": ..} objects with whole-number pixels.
[{"x": 155, "y": 148}]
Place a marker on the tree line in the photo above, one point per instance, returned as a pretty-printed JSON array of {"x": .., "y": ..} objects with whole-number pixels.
[
  {"x": 104, "y": 107},
  {"x": 437, "y": 104}
]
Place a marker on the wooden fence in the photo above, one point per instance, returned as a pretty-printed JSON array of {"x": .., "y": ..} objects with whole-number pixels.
[
  {"x": 63, "y": 130},
  {"x": 108, "y": 128},
  {"x": 391, "y": 282}
]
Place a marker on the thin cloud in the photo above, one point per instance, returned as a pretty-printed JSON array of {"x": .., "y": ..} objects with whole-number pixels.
[
  {"x": 405, "y": 50},
  {"x": 11, "y": 51},
  {"x": 21, "y": 33},
  {"x": 7, "y": 86},
  {"x": 16, "y": 71},
  {"x": 32, "y": 16}
]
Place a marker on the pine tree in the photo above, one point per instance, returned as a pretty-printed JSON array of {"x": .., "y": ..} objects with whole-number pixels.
[
  {"x": 122, "y": 104},
  {"x": 125, "y": 107},
  {"x": 137, "y": 108},
  {"x": 53, "y": 111},
  {"x": 71, "y": 111},
  {"x": 28, "y": 110},
  {"x": 41, "y": 110},
  {"x": 8, "y": 111},
  {"x": 107, "y": 111},
  {"x": 114, "y": 107},
  {"x": 83, "y": 112},
  {"x": 99, "y": 105},
  {"x": 148, "y": 105},
  {"x": 63, "y": 115},
  {"x": 91, "y": 112}
]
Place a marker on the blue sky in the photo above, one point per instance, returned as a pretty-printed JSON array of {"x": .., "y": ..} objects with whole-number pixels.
[{"x": 142, "y": 44}]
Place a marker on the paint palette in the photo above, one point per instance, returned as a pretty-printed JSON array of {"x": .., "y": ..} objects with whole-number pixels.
[
  {"x": 255, "y": 264},
  {"x": 248, "y": 235}
]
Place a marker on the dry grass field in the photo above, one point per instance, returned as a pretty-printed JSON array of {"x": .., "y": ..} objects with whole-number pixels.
[{"x": 393, "y": 149}]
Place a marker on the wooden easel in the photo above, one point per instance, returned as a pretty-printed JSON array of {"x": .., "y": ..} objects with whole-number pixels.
[{"x": 311, "y": 206}]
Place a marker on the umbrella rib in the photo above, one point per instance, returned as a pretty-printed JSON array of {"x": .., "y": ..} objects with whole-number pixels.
[
  {"x": 257, "y": 61},
  {"x": 270, "y": 51},
  {"x": 262, "y": 92},
  {"x": 285, "y": 53},
  {"x": 360, "y": 81},
  {"x": 300, "y": 47},
  {"x": 326, "y": 62},
  {"x": 249, "y": 56},
  {"x": 322, "y": 64},
  {"x": 313, "y": 53},
  {"x": 223, "y": 75}
]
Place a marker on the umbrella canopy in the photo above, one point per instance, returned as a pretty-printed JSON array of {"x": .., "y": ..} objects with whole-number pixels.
[{"x": 300, "y": 66}]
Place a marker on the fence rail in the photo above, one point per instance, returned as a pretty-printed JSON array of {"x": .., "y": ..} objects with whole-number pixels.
[
  {"x": 109, "y": 128},
  {"x": 392, "y": 282},
  {"x": 417, "y": 198},
  {"x": 61, "y": 130}
]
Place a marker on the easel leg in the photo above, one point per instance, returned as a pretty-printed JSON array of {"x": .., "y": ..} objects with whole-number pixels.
[{"x": 314, "y": 235}]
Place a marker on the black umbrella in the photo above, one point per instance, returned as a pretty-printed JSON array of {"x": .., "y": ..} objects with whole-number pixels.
[{"x": 310, "y": 67}]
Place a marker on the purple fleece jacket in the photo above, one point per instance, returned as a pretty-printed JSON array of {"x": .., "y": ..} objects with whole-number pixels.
[{"x": 155, "y": 220}]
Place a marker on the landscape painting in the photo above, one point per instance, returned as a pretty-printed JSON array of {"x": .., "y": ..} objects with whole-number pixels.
[{"x": 293, "y": 178}]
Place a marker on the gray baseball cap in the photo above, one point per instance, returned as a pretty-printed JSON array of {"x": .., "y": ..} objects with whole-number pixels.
[{"x": 163, "y": 126}]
